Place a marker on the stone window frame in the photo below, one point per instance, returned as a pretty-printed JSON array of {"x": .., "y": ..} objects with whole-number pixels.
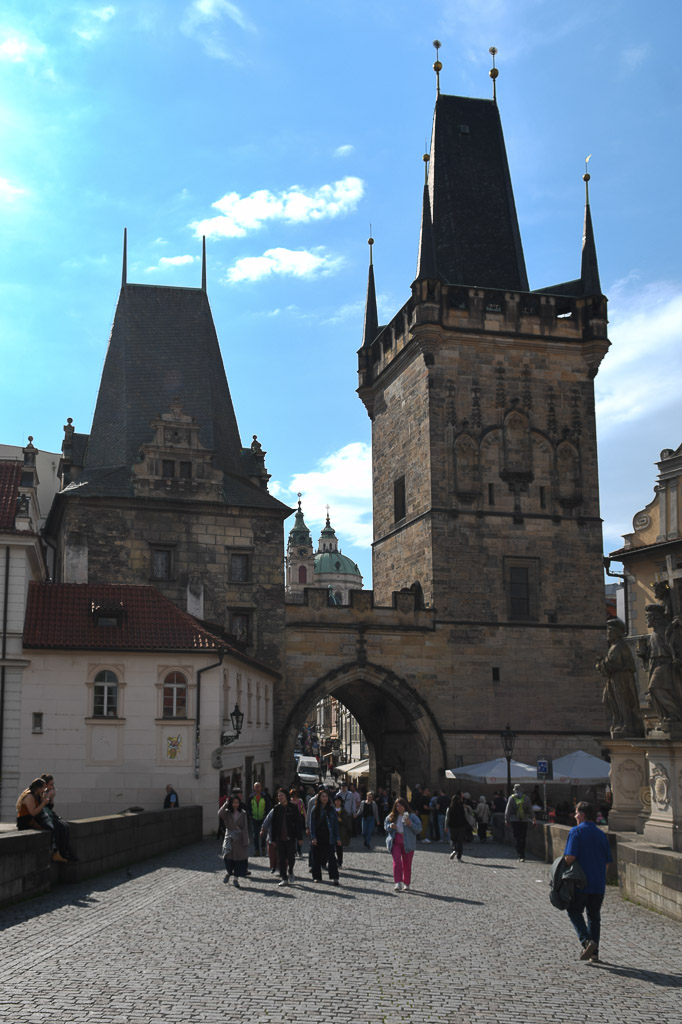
[
  {"x": 399, "y": 499},
  {"x": 240, "y": 553},
  {"x": 162, "y": 675},
  {"x": 247, "y": 614},
  {"x": 170, "y": 549},
  {"x": 532, "y": 564},
  {"x": 92, "y": 682}
]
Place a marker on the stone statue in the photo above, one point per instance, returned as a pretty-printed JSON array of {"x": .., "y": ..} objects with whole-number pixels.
[
  {"x": 621, "y": 694},
  {"x": 657, "y": 654}
]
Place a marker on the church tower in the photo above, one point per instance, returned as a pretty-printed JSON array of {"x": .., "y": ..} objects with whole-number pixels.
[
  {"x": 481, "y": 397},
  {"x": 161, "y": 491}
]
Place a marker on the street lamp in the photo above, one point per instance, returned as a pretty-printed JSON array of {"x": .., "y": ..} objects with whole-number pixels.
[
  {"x": 237, "y": 719},
  {"x": 508, "y": 740}
]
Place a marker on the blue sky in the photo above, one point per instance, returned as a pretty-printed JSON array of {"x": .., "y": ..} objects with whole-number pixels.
[{"x": 282, "y": 130}]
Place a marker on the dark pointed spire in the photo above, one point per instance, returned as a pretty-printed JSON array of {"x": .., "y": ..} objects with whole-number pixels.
[
  {"x": 589, "y": 270},
  {"x": 493, "y": 72},
  {"x": 426, "y": 265},
  {"x": 124, "y": 273},
  {"x": 203, "y": 263},
  {"x": 371, "y": 318}
]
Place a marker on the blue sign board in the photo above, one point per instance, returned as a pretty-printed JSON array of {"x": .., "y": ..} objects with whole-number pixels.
[{"x": 543, "y": 766}]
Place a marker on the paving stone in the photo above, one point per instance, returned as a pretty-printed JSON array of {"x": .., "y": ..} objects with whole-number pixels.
[{"x": 473, "y": 943}]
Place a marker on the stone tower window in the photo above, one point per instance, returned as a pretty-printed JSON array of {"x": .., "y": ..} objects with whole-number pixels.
[
  {"x": 162, "y": 563},
  {"x": 185, "y": 470},
  {"x": 522, "y": 585},
  {"x": 239, "y": 568},
  {"x": 302, "y": 574},
  {"x": 167, "y": 468},
  {"x": 399, "y": 502}
]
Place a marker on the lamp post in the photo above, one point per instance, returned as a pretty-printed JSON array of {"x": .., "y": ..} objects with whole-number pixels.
[
  {"x": 237, "y": 719},
  {"x": 508, "y": 740}
]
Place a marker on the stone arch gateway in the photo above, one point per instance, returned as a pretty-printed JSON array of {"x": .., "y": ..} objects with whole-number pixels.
[{"x": 401, "y": 730}]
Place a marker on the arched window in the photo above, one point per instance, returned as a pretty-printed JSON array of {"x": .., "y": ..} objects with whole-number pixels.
[
  {"x": 175, "y": 696},
  {"x": 302, "y": 574},
  {"x": 105, "y": 695}
]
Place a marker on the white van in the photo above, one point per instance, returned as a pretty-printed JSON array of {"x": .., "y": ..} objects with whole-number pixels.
[{"x": 308, "y": 770}]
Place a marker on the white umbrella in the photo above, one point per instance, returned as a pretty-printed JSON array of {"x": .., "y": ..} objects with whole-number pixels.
[
  {"x": 494, "y": 772},
  {"x": 580, "y": 769},
  {"x": 348, "y": 769}
]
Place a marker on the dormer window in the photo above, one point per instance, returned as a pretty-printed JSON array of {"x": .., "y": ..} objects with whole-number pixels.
[
  {"x": 107, "y": 618},
  {"x": 168, "y": 469},
  {"x": 185, "y": 470}
]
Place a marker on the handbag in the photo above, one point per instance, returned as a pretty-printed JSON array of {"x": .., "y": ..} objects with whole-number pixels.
[
  {"x": 469, "y": 815},
  {"x": 227, "y": 845}
]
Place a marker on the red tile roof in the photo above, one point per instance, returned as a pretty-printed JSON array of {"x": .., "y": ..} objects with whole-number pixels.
[
  {"x": 10, "y": 475},
  {"x": 62, "y": 615}
]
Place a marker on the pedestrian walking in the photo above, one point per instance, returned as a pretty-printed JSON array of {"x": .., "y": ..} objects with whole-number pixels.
[
  {"x": 345, "y": 827},
  {"x": 296, "y": 799},
  {"x": 482, "y": 812},
  {"x": 266, "y": 837},
  {"x": 456, "y": 822},
  {"x": 402, "y": 828},
  {"x": 258, "y": 808},
  {"x": 171, "y": 798},
  {"x": 590, "y": 847},
  {"x": 519, "y": 814},
  {"x": 286, "y": 829},
  {"x": 236, "y": 841},
  {"x": 368, "y": 813},
  {"x": 497, "y": 818},
  {"x": 324, "y": 838}
]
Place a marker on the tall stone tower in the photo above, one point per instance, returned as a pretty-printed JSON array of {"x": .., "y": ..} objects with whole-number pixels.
[
  {"x": 161, "y": 491},
  {"x": 481, "y": 397}
]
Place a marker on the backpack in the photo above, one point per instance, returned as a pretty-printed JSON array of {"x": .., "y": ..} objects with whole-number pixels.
[{"x": 520, "y": 809}]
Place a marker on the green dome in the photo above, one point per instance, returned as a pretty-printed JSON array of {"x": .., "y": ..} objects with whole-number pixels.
[{"x": 334, "y": 561}]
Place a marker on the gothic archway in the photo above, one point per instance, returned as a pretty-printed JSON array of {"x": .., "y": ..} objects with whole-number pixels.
[{"x": 401, "y": 731}]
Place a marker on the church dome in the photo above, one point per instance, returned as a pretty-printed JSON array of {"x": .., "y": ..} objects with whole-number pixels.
[{"x": 335, "y": 562}]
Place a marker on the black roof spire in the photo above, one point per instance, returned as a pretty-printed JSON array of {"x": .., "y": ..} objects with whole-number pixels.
[
  {"x": 203, "y": 263},
  {"x": 371, "y": 318},
  {"x": 124, "y": 272},
  {"x": 426, "y": 265},
  {"x": 589, "y": 271},
  {"x": 475, "y": 227}
]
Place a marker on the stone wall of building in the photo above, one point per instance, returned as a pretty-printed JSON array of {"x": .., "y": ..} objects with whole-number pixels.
[{"x": 115, "y": 540}]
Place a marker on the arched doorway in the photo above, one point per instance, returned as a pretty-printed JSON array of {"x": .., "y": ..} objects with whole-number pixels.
[{"x": 401, "y": 732}]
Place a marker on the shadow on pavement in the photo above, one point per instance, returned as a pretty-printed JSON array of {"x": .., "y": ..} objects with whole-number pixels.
[{"x": 654, "y": 977}]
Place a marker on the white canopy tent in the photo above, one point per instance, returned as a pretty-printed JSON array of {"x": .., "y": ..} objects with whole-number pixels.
[
  {"x": 580, "y": 769},
  {"x": 353, "y": 767},
  {"x": 493, "y": 772}
]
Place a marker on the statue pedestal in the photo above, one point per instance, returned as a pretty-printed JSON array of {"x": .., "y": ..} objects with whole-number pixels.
[
  {"x": 629, "y": 784},
  {"x": 664, "y": 825}
]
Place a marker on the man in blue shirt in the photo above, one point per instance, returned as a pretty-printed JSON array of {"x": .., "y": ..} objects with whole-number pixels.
[{"x": 590, "y": 847}]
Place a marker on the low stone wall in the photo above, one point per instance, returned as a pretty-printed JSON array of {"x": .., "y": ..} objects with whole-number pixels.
[
  {"x": 24, "y": 865},
  {"x": 549, "y": 841},
  {"x": 651, "y": 877},
  {"x": 100, "y": 844}
]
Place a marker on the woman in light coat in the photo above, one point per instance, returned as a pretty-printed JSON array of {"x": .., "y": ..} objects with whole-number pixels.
[
  {"x": 402, "y": 827},
  {"x": 236, "y": 842},
  {"x": 482, "y": 812}
]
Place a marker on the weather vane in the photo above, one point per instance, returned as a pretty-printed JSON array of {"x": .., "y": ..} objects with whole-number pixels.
[
  {"x": 586, "y": 178},
  {"x": 437, "y": 66},
  {"x": 370, "y": 243},
  {"x": 493, "y": 72}
]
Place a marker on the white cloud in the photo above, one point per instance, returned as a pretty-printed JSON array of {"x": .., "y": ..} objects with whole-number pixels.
[
  {"x": 283, "y": 263},
  {"x": 240, "y": 214},
  {"x": 634, "y": 56},
  {"x": 93, "y": 21},
  {"x": 646, "y": 338},
  {"x": 20, "y": 49},
  {"x": 342, "y": 480},
  {"x": 9, "y": 192},
  {"x": 171, "y": 261},
  {"x": 201, "y": 22},
  {"x": 160, "y": 241},
  {"x": 344, "y": 150}
]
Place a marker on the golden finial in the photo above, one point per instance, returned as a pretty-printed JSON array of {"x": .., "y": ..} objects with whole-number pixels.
[
  {"x": 370, "y": 243},
  {"x": 437, "y": 66},
  {"x": 586, "y": 178},
  {"x": 426, "y": 159},
  {"x": 493, "y": 72}
]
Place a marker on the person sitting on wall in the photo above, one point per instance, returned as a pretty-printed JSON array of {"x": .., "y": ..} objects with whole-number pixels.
[
  {"x": 50, "y": 817},
  {"x": 30, "y": 806}
]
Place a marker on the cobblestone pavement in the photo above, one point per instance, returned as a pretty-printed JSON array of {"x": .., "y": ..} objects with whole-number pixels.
[{"x": 474, "y": 942}]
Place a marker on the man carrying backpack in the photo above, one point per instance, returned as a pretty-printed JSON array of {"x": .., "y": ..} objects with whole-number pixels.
[
  {"x": 519, "y": 814},
  {"x": 589, "y": 846}
]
